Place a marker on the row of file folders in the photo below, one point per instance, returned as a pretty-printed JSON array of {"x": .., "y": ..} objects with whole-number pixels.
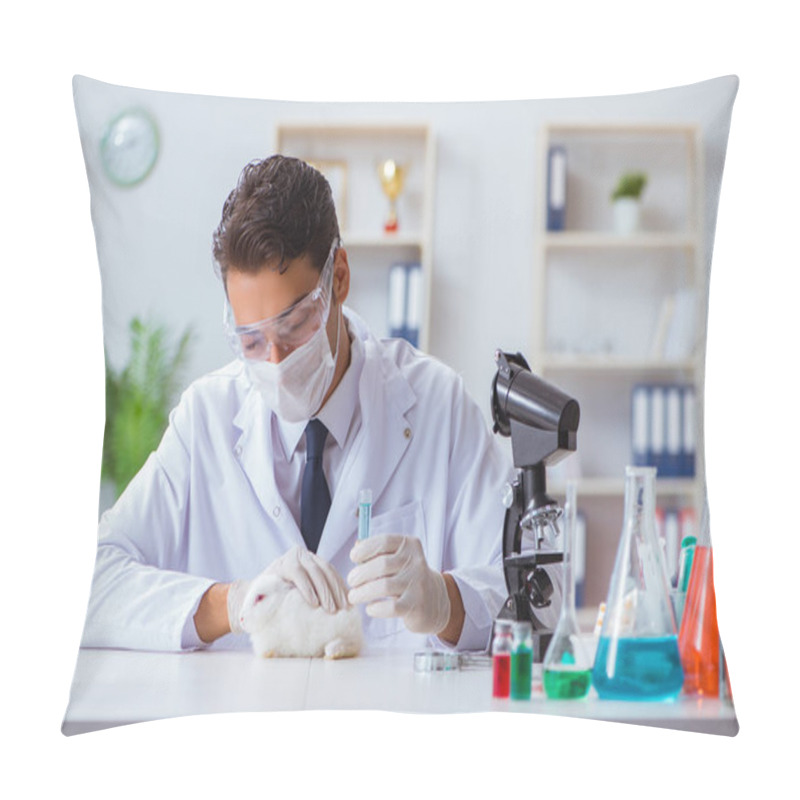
[
  {"x": 405, "y": 301},
  {"x": 674, "y": 525},
  {"x": 663, "y": 428}
]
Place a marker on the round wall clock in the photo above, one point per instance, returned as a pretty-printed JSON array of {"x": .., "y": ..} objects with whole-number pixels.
[{"x": 129, "y": 147}]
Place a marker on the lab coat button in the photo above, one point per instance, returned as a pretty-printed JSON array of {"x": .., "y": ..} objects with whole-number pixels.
[
  {"x": 276, "y": 512},
  {"x": 237, "y": 450},
  {"x": 407, "y": 433}
]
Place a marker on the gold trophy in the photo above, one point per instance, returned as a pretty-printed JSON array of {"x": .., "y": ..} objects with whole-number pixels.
[{"x": 392, "y": 176}]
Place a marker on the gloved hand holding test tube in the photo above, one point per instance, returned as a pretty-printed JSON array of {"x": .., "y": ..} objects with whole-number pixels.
[
  {"x": 364, "y": 513},
  {"x": 393, "y": 579}
]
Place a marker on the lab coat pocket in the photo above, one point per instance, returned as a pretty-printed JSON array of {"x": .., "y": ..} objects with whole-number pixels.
[{"x": 408, "y": 520}]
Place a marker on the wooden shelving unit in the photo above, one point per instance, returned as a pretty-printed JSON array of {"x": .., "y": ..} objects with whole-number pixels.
[
  {"x": 356, "y": 150},
  {"x": 596, "y": 300}
]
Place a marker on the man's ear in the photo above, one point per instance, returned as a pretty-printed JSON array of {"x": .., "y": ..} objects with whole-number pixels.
[{"x": 341, "y": 276}]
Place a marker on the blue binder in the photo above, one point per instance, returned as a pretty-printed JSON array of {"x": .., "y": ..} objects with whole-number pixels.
[
  {"x": 658, "y": 428},
  {"x": 398, "y": 292},
  {"x": 663, "y": 428},
  {"x": 640, "y": 425},
  {"x": 556, "y": 188},
  {"x": 405, "y": 301},
  {"x": 688, "y": 437},
  {"x": 414, "y": 303},
  {"x": 673, "y": 419}
]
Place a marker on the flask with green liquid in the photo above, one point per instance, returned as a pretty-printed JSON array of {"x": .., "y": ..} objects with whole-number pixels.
[{"x": 566, "y": 667}]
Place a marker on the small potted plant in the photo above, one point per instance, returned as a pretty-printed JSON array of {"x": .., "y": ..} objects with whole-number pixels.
[{"x": 626, "y": 199}]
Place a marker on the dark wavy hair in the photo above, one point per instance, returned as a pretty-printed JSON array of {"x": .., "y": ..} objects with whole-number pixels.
[{"x": 281, "y": 209}]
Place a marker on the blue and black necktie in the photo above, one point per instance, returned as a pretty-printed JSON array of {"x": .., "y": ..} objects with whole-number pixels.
[{"x": 315, "y": 497}]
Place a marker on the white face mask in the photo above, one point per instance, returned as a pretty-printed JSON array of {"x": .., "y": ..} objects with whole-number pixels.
[{"x": 295, "y": 387}]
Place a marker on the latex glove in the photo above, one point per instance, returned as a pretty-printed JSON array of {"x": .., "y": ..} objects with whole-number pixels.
[
  {"x": 318, "y": 581},
  {"x": 394, "y": 579}
]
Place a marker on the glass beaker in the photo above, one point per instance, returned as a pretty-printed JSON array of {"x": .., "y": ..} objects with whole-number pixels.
[
  {"x": 637, "y": 655},
  {"x": 566, "y": 666}
]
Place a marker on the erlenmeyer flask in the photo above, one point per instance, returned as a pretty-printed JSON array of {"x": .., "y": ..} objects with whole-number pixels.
[
  {"x": 566, "y": 666},
  {"x": 637, "y": 655},
  {"x": 699, "y": 641}
]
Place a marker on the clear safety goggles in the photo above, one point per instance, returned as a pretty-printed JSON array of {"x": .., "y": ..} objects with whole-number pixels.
[{"x": 287, "y": 331}]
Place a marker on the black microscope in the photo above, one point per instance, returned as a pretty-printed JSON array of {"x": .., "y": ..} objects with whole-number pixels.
[{"x": 542, "y": 422}]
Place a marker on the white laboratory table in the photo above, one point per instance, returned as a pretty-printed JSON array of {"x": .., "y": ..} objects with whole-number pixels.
[{"x": 119, "y": 687}]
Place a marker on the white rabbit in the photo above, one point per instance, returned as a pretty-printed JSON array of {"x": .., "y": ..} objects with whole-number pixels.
[{"x": 281, "y": 623}]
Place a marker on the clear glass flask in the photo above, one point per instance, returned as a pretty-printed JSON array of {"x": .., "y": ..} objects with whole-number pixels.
[
  {"x": 637, "y": 655},
  {"x": 698, "y": 640},
  {"x": 566, "y": 666}
]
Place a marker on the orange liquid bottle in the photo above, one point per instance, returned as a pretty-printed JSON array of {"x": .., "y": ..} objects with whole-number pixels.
[{"x": 698, "y": 640}]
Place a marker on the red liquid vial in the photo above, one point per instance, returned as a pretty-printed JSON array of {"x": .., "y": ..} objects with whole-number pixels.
[
  {"x": 501, "y": 659},
  {"x": 501, "y": 675},
  {"x": 698, "y": 641}
]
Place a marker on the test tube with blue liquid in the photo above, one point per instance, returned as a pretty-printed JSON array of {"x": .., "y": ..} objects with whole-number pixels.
[{"x": 364, "y": 513}]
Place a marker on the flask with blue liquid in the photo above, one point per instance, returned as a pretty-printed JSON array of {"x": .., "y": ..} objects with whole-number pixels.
[{"x": 637, "y": 655}]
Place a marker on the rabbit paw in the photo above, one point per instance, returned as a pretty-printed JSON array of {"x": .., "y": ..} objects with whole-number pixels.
[{"x": 339, "y": 648}]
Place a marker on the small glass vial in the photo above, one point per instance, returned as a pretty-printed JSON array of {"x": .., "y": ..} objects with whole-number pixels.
[
  {"x": 521, "y": 661},
  {"x": 501, "y": 659}
]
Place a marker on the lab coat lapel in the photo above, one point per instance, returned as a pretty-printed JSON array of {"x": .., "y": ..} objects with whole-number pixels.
[
  {"x": 254, "y": 449},
  {"x": 385, "y": 397}
]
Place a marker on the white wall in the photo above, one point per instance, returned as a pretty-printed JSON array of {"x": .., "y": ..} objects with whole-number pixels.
[{"x": 156, "y": 247}]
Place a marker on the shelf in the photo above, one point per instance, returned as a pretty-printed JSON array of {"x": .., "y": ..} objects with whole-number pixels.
[
  {"x": 591, "y": 128},
  {"x": 615, "y": 487},
  {"x": 381, "y": 240},
  {"x": 601, "y": 240},
  {"x": 354, "y": 130},
  {"x": 612, "y": 364}
]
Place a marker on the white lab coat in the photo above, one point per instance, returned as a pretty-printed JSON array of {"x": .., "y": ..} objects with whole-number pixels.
[{"x": 204, "y": 508}]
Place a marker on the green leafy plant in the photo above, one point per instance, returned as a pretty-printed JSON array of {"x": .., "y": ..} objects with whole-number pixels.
[
  {"x": 139, "y": 399},
  {"x": 630, "y": 184}
]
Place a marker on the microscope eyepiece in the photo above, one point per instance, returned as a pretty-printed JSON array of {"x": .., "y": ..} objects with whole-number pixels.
[{"x": 525, "y": 401}]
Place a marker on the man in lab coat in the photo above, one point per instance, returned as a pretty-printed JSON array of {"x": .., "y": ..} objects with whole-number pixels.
[{"x": 234, "y": 489}]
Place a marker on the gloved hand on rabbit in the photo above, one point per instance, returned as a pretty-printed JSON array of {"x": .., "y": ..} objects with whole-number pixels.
[{"x": 296, "y": 607}]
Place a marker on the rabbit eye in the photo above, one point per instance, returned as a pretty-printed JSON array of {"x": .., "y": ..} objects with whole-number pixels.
[{"x": 259, "y": 598}]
